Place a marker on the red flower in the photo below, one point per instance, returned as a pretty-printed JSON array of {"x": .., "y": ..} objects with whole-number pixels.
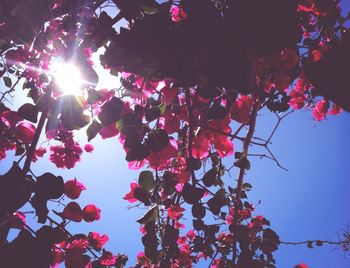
[
  {"x": 74, "y": 253},
  {"x": 302, "y": 265},
  {"x": 97, "y": 241},
  {"x": 320, "y": 110},
  {"x": 130, "y": 196},
  {"x": 191, "y": 235},
  {"x": 10, "y": 118},
  {"x": 18, "y": 220},
  {"x": 73, "y": 212},
  {"x": 169, "y": 122},
  {"x": 66, "y": 155},
  {"x": 91, "y": 213},
  {"x": 88, "y": 148},
  {"x": 73, "y": 188},
  {"x": 175, "y": 212},
  {"x": 177, "y": 14},
  {"x": 38, "y": 153},
  {"x": 224, "y": 148},
  {"x": 336, "y": 109},
  {"x": 157, "y": 159},
  {"x": 107, "y": 258},
  {"x": 257, "y": 222},
  {"x": 25, "y": 132},
  {"x": 57, "y": 256},
  {"x": 240, "y": 110}
]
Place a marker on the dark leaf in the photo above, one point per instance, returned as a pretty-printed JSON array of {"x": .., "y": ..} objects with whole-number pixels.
[
  {"x": 157, "y": 140},
  {"x": 146, "y": 180},
  {"x": 93, "y": 130},
  {"x": 7, "y": 81},
  {"x": 29, "y": 111},
  {"x": 111, "y": 111},
  {"x": 150, "y": 216}
]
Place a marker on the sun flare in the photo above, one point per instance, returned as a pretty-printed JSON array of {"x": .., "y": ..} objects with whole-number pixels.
[{"x": 67, "y": 76}]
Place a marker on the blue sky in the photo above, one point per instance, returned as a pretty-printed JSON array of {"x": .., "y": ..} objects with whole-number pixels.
[{"x": 310, "y": 201}]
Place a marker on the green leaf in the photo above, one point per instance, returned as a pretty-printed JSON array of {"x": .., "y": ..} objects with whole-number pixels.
[
  {"x": 150, "y": 10},
  {"x": 7, "y": 81},
  {"x": 150, "y": 215},
  {"x": 29, "y": 111},
  {"x": 162, "y": 108},
  {"x": 93, "y": 129},
  {"x": 146, "y": 180},
  {"x": 247, "y": 186}
]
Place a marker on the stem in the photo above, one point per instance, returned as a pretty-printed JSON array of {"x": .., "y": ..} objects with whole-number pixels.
[
  {"x": 190, "y": 132},
  {"x": 31, "y": 150},
  {"x": 246, "y": 144}
]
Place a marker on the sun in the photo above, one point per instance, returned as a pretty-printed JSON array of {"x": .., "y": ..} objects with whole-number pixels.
[{"x": 67, "y": 76}]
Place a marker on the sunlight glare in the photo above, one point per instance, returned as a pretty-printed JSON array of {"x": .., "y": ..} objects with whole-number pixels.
[{"x": 67, "y": 76}]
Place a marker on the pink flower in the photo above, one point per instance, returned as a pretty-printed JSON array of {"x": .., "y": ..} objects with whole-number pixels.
[
  {"x": 302, "y": 265},
  {"x": 66, "y": 155},
  {"x": 177, "y": 14},
  {"x": 88, "y": 148},
  {"x": 18, "y": 220},
  {"x": 107, "y": 258},
  {"x": 73, "y": 188},
  {"x": 336, "y": 109},
  {"x": 130, "y": 196},
  {"x": 191, "y": 235},
  {"x": 97, "y": 241},
  {"x": 175, "y": 212},
  {"x": 57, "y": 257},
  {"x": 240, "y": 110},
  {"x": 10, "y": 118},
  {"x": 320, "y": 110},
  {"x": 91, "y": 213},
  {"x": 38, "y": 153}
]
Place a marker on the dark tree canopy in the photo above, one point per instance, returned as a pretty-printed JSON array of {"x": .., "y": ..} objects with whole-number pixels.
[{"x": 190, "y": 72}]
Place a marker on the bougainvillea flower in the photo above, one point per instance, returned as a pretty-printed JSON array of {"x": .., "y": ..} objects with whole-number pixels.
[
  {"x": 18, "y": 220},
  {"x": 25, "y": 132},
  {"x": 88, "y": 148},
  {"x": 175, "y": 212},
  {"x": 66, "y": 155},
  {"x": 335, "y": 110},
  {"x": 302, "y": 265},
  {"x": 10, "y": 118},
  {"x": 74, "y": 253},
  {"x": 191, "y": 235},
  {"x": 177, "y": 14},
  {"x": 73, "y": 188},
  {"x": 5, "y": 145},
  {"x": 57, "y": 257},
  {"x": 130, "y": 196},
  {"x": 107, "y": 258},
  {"x": 73, "y": 212},
  {"x": 157, "y": 159},
  {"x": 91, "y": 213},
  {"x": 240, "y": 110},
  {"x": 297, "y": 100},
  {"x": 38, "y": 153},
  {"x": 320, "y": 110},
  {"x": 257, "y": 222},
  {"x": 169, "y": 122},
  {"x": 224, "y": 148},
  {"x": 97, "y": 241},
  {"x": 200, "y": 145}
]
